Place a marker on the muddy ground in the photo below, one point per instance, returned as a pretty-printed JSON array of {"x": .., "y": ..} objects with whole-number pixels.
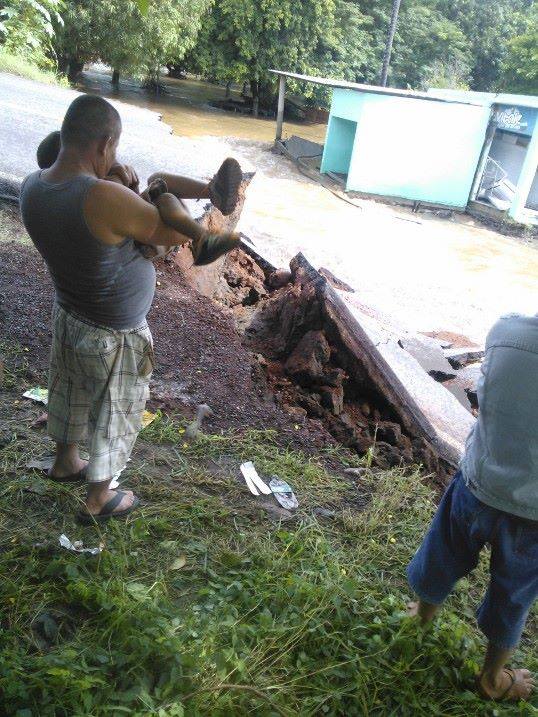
[{"x": 199, "y": 351}]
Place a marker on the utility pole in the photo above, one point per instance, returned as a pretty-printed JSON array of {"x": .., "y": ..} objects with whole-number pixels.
[{"x": 390, "y": 40}]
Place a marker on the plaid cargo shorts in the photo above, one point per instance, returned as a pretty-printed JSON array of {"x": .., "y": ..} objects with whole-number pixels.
[{"x": 98, "y": 387}]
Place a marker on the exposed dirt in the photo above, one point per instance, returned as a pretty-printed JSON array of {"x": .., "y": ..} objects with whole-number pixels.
[
  {"x": 263, "y": 357},
  {"x": 311, "y": 373},
  {"x": 200, "y": 357},
  {"x": 456, "y": 341}
]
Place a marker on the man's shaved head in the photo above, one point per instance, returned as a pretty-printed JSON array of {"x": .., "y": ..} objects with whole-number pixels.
[{"x": 89, "y": 118}]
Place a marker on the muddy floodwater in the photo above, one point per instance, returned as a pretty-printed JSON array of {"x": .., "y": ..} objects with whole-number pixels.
[
  {"x": 186, "y": 108},
  {"x": 422, "y": 271}
]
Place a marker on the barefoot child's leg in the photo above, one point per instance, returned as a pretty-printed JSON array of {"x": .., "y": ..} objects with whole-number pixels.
[
  {"x": 222, "y": 190},
  {"x": 182, "y": 187}
]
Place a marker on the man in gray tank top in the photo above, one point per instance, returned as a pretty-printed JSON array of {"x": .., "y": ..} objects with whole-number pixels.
[{"x": 102, "y": 355}]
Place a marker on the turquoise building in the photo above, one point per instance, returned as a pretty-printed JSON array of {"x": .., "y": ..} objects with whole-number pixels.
[{"x": 440, "y": 147}]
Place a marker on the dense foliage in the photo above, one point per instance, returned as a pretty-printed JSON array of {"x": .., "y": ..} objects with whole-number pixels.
[
  {"x": 27, "y": 28},
  {"x": 476, "y": 44}
]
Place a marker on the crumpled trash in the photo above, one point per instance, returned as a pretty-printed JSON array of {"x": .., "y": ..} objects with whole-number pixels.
[
  {"x": 147, "y": 418},
  {"x": 76, "y": 547},
  {"x": 41, "y": 464},
  {"x": 41, "y": 395},
  {"x": 115, "y": 482},
  {"x": 283, "y": 493}
]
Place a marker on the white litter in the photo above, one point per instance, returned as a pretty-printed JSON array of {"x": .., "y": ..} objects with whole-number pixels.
[
  {"x": 41, "y": 395},
  {"x": 77, "y": 546},
  {"x": 253, "y": 480}
]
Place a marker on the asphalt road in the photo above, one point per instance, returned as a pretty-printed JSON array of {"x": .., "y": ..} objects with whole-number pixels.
[
  {"x": 427, "y": 274},
  {"x": 30, "y": 110}
]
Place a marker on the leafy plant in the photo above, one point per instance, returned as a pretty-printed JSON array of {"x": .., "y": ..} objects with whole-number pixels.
[{"x": 27, "y": 28}]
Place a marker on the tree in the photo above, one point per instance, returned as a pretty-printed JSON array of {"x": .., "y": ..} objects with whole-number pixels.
[
  {"x": 488, "y": 25},
  {"x": 519, "y": 72},
  {"x": 169, "y": 30},
  {"x": 27, "y": 28},
  {"x": 425, "y": 40},
  {"x": 116, "y": 32},
  {"x": 242, "y": 39}
]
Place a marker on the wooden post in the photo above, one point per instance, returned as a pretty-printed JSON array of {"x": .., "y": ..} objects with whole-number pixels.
[{"x": 280, "y": 110}]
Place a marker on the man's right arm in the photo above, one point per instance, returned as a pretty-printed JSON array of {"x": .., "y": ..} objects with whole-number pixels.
[{"x": 113, "y": 212}]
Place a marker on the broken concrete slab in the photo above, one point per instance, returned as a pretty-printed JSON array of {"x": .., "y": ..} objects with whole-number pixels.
[
  {"x": 467, "y": 380},
  {"x": 457, "y": 390},
  {"x": 460, "y": 357},
  {"x": 429, "y": 354},
  {"x": 424, "y": 407},
  {"x": 299, "y": 148}
]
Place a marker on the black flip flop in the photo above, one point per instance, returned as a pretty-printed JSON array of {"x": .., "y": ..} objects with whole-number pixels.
[
  {"x": 79, "y": 477},
  {"x": 107, "y": 511}
]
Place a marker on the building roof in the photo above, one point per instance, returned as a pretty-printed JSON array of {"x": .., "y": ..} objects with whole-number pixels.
[
  {"x": 374, "y": 89},
  {"x": 488, "y": 98},
  {"x": 484, "y": 99}
]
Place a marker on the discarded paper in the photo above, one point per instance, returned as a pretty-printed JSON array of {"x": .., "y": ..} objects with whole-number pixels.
[
  {"x": 41, "y": 395},
  {"x": 76, "y": 547},
  {"x": 283, "y": 493},
  {"x": 179, "y": 563},
  {"x": 254, "y": 483},
  {"x": 115, "y": 483},
  {"x": 147, "y": 418}
]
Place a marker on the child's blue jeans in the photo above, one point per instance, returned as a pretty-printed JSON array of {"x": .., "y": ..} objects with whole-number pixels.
[{"x": 462, "y": 526}]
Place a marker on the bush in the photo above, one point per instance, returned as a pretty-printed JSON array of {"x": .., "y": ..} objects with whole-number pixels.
[{"x": 16, "y": 65}]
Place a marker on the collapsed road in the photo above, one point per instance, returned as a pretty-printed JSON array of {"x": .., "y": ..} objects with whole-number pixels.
[{"x": 328, "y": 364}]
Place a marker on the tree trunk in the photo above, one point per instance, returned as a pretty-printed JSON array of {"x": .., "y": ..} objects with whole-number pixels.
[
  {"x": 390, "y": 40},
  {"x": 74, "y": 69},
  {"x": 115, "y": 78},
  {"x": 63, "y": 64},
  {"x": 255, "y": 90},
  {"x": 228, "y": 89}
]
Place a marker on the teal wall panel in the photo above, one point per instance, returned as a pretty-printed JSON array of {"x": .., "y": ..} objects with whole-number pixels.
[
  {"x": 405, "y": 147},
  {"x": 339, "y": 145}
]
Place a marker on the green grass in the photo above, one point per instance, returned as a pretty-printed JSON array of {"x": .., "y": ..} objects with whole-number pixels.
[
  {"x": 202, "y": 603},
  {"x": 16, "y": 65}
]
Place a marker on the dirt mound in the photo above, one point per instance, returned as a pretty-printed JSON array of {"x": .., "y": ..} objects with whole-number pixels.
[{"x": 200, "y": 356}]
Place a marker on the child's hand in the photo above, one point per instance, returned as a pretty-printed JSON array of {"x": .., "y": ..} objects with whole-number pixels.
[{"x": 126, "y": 175}]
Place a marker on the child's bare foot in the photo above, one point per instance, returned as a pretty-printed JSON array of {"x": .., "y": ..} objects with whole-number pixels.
[
  {"x": 224, "y": 187},
  {"x": 156, "y": 188},
  {"x": 213, "y": 246},
  {"x": 510, "y": 685}
]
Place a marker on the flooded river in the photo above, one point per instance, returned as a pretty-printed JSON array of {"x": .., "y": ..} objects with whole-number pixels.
[{"x": 186, "y": 108}]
